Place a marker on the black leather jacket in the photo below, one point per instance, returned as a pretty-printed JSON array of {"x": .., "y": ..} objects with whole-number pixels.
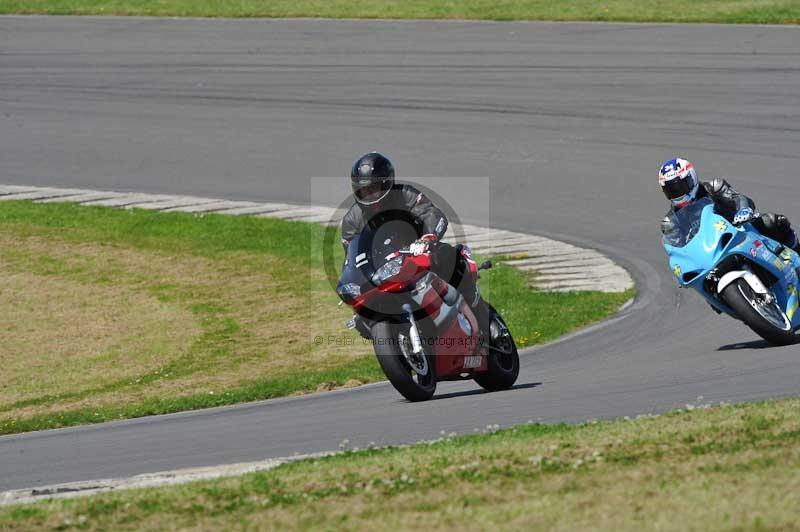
[
  {"x": 404, "y": 202},
  {"x": 726, "y": 199}
]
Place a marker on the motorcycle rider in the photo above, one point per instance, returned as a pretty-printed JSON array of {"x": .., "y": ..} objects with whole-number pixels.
[
  {"x": 679, "y": 182},
  {"x": 379, "y": 199}
]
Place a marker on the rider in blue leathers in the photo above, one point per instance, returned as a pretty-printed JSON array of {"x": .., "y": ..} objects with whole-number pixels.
[{"x": 678, "y": 180}]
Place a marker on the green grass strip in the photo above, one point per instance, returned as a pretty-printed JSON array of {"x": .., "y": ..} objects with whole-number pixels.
[
  {"x": 364, "y": 370},
  {"x": 698, "y": 468},
  {"x": 717, "y": 11},
  {"x": 103, "y": 248}
]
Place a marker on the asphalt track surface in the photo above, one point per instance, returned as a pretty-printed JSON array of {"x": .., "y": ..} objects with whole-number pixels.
[{"x": 570, "y": 122}]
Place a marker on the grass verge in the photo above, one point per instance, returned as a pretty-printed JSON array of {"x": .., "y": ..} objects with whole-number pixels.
[
  {"x": 723, "y": 11},
  {"x": 109, "y": 314},
  {"x": 721, "y": 468}
]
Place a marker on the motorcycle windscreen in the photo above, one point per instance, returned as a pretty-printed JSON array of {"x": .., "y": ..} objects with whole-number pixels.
[
  {"x": 686, "y": 223},
  {"x": 372, "y": 248}
]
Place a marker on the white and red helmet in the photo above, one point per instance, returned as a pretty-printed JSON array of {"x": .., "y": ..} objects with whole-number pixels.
[{"x": 679, "y": 182}]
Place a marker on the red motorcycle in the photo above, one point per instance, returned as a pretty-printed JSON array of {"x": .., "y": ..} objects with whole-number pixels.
[{"x": 421, "y": 328}]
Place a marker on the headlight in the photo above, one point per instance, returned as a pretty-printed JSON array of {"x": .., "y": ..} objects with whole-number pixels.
[
  {"x": 348, "y": 292},
  {"x": 388, "y": 270}
]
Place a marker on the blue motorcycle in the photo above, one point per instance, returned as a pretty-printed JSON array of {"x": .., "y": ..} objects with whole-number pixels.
[{"x": 737, "y": 270}]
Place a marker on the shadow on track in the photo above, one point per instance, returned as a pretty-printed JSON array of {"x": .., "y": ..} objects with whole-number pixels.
[
  {"x": 754, "y": 344},
  {"x": 482, "y": 391}
]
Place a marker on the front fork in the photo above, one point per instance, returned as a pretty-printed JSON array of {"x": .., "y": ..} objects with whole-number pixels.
[{"x": 413, "y": 331}]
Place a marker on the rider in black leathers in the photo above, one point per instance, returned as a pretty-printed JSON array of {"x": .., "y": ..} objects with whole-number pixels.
[{"x": 379, "y": 199}]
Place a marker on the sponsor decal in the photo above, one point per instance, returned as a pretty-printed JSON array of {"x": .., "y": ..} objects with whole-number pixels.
[
  {"x": 473, "y": 361},
  {"x": 757, "y": 243},
  {"x": 669, "y": 172},
  {"x": 795, "y": 303},
  {"x": 779, "y": 263},
  {"x": 677, "y": 271},
  {"x": 721, "y": 226},
  {"x": 753, "y": 252},
  {"x": 786, "y": 255}
]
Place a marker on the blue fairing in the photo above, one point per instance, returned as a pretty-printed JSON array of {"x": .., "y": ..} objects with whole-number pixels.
[{"x": 700, "y": 240}]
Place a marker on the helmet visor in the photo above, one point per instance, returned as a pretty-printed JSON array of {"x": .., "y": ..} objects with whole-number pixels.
[
  {"x": 677, "y": 188},
  {"x": 373, "y": 192}
]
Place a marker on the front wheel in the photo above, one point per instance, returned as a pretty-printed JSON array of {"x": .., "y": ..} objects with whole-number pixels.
[
  {"x": 760, "y": 313},
  {"x": 412, "y": 374},
  {"x": 503, "y": 359}
]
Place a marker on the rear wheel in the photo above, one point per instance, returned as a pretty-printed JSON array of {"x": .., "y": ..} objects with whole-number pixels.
[
  {"x": 761, "y": 313},
  {"x": 412, "y": 374},
  {"x": 503, "y": 359}
]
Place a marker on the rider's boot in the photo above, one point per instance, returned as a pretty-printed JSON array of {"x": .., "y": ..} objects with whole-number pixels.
[{"x": 793, "y": 241}]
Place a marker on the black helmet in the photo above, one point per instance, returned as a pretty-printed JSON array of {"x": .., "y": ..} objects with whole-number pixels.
[{"x": 372, "y": 177}]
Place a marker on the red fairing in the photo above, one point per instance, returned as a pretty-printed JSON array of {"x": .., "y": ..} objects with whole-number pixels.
[
  {"x": 423, "y": 262},
  {"x": 413, "y": 267},
  {"x": 455, "y": 352},
  {"x": 440, "y": 286},
  {"x": 454, "y": 349},
  {"x": 432, "y": 303}
]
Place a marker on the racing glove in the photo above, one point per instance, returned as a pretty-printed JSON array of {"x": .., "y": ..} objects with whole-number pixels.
[
  {"x": 743, "y": 216},
  {"x": 421, "y": 246}
]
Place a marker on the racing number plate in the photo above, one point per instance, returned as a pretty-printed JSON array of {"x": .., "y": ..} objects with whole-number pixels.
[{"x": 472, "y": 361}]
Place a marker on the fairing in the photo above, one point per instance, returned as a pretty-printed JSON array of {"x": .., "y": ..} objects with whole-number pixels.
[{"x": 701, "y": 240}]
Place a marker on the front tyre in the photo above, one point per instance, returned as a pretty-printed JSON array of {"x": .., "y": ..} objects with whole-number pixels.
[
  {"x": 413, "y": 375},
  {"x": 503, "y": 359},
  {"x": 761, "y": 314}
]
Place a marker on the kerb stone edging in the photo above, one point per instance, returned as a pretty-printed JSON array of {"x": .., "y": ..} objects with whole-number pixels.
[{"x": 558, "y": 266}]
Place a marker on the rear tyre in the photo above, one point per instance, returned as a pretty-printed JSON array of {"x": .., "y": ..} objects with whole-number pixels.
[
  {"x": 413, "y": 375},
  {"x": 503, "y": 359},
  {"x": 766, "y": 318}
]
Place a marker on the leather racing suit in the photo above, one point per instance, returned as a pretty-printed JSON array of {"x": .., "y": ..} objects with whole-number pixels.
[
  {"x": 405, "y": 203},
  {"x": 728, "y": 202}
]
